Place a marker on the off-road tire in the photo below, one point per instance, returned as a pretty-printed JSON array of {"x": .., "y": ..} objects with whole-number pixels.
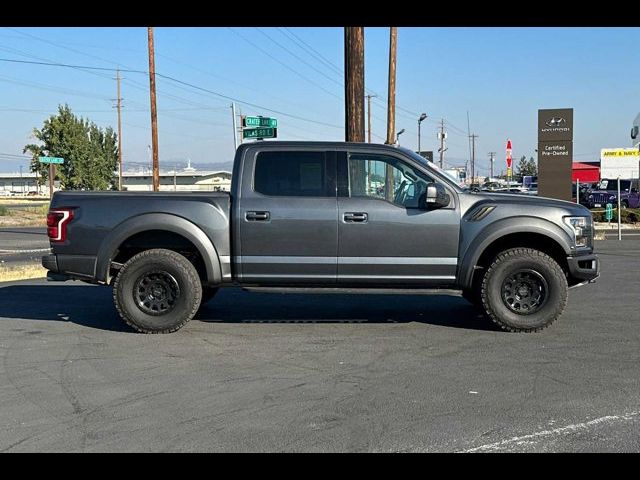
[
  {"x": 624, "y": 204},
  {"x": 504, "y": 265},
  {"x": 208, "y": 293},
  {"x": 166, "y": 262}
]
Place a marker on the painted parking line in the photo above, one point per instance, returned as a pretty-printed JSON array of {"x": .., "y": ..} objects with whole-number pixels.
[{"x": 533, "y": 437}]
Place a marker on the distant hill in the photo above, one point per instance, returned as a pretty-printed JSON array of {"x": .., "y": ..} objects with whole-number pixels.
[{"x": 228, "y": 166}]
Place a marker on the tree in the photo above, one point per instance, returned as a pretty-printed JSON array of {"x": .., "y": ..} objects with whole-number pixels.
[
  {"x": 526, "y": 167},
  {"x": 90, "y": 153}
]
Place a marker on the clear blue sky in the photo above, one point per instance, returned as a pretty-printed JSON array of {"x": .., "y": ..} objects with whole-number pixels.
[{"x": 502, "y": 76}]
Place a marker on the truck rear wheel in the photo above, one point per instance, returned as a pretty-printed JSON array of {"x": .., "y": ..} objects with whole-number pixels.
[
  {"x": 157, "y": 291},
  {"x": 524, "y": 290}
]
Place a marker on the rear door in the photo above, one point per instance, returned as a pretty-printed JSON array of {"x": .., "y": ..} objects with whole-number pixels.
[{"x": 287, "y": 218}]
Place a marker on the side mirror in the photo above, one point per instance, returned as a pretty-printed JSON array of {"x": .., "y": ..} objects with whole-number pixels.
[{"x": 434, "y": 197}]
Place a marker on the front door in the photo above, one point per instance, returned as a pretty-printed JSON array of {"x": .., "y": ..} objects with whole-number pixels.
[
  {"x": 288, "y": 218},
  {"x": 383, "y": 237}
]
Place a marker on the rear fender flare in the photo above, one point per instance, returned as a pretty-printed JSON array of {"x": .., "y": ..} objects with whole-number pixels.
[{"x": 158, "y": 221}]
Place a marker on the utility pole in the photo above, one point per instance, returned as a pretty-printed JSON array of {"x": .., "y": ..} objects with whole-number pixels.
[
  {"x": 154, "y": 113},
  {"x": 354, "y": 83},
  {"x": 240, "y": 128},
  {"x": 391, "y": 96},
  {"x": 52, "y": 176},
  {"x": 235, "y": 128},
  {"x": 491, "y": 157},
  {"x": 369, "y": 97},
  {"x": 119, "y": 106},
  {"x": 391, "y": 110},
  {"x": 473, "y": 156},
  {"x": 442, "y": 139}
]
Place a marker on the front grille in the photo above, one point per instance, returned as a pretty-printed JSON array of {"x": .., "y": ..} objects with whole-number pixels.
[{"x": 602, "y": 198}]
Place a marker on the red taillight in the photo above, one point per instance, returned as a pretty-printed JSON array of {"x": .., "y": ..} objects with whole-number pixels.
[{"x": 57, "y": 221}]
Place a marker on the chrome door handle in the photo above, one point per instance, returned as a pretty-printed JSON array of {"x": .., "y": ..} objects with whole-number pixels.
[
  {"x": 257, "y": 216},
  {"x": 356, "y": 217}
]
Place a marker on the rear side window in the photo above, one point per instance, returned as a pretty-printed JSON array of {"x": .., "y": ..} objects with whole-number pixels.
[{"x": 292, "y": 174}]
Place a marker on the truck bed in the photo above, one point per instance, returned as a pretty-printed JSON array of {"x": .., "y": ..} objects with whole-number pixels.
[{"x": 100, "y": 215}]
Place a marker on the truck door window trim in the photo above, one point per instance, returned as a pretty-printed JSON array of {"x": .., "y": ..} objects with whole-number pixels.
[
  {"x": 328, "y": 174},
  {"x": 344, "y": 180}
]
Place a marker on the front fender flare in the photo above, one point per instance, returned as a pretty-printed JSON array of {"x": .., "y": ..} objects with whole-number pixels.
[
  {"x": 158, "y": 221},
  {"x": 501, "y": 228}
]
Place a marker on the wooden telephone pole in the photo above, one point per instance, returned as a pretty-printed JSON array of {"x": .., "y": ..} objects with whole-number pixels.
[
  {"x": 154, "y": 113},
  {"x": 391, "y": 97},
  {"x": 473, "y": 156},
  {"x": 354, "y": 83},
  {"x": 369, "y": 97}
]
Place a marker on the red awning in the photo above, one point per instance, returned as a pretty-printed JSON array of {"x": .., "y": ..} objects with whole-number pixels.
[{"x": 585, "y": 172}]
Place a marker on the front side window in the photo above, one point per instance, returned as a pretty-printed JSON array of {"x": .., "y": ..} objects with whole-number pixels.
[
  {"x": 292, "y": 174},
  {"x": 386, "y": 178}
]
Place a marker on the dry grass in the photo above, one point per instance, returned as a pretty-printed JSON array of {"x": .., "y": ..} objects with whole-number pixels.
[
  {"x": 31, "y": 216},
  {"x": 18, "y": 200},
  {"x": 21, "y": 272}
]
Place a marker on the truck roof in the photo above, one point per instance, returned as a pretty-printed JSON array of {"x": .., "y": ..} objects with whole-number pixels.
[{"x": 299, "y": 143}]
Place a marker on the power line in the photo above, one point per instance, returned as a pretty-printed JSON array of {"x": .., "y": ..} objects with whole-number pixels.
[
  {"x": 196, "y": 87},
  {"x": 284, "y": 64},
  {"x": 314, "y": 52},
  {"x": 341, "y": 84}
]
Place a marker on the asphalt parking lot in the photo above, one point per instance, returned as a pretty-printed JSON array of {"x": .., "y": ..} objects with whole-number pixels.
[
  {"x": 23, "y": 244},
  {"x": 333, "y": 372}
]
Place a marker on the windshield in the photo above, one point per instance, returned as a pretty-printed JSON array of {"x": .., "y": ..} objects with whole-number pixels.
[
  {"x": 431, "y": 165},
  {"x": 613, "y": 185}
]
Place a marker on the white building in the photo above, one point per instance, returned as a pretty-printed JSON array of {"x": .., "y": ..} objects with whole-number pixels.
[
  {"x": 188, "y": 179},
  {"x": 21, "y": 184}
]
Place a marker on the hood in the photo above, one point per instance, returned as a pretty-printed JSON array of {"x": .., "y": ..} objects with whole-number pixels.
[{"x": 528, "y": 200}]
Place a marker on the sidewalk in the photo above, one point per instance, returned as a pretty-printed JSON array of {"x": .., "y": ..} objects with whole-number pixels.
[{"x": 614, "y": 226}]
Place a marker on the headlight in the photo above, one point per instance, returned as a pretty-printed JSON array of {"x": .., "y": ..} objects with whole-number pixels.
[
  {"x": 582, "y": 230},
  {"x": 590, "y": 197},
  {"x": 612, "y": 198}
]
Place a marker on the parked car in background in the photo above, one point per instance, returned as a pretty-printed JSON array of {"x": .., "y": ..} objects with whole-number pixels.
[
  {"x": 607, "y": 192},
  {"x": 585, "y": 190}
]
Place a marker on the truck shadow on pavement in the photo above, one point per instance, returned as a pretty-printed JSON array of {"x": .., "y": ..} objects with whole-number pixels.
[{"x": 92, "y": 306}]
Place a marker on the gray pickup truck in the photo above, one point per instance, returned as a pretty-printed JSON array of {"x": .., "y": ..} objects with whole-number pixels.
[{"x": 316, "y": 215}]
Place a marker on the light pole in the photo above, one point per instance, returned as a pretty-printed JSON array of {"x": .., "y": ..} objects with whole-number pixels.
[
  {"x": 398, "y": 136},
  {"x": 422, "y": 117}
]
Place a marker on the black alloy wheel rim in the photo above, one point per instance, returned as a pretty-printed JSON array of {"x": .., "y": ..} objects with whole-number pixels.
[
  {"x": 524, "y": 291},
  {"x": 156, "y": 293}
]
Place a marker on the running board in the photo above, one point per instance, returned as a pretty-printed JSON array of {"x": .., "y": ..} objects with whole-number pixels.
[{"x": 356, "y": 291}]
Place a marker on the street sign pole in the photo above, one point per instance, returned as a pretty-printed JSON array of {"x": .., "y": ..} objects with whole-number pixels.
[
  {"x": 52, "y": 161},
  {"x": 619, "y": 213},
  {"x": 509, "y": 163},
  {"x": 52, "y": 173}
]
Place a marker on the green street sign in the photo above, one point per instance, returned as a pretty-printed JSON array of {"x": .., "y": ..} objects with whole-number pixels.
[
  {"x": 260, "y": 122},
  {"x": 609, "y": 212},
  {"x": 57, "y": 160},
  {"x": 260, "y": 133}
]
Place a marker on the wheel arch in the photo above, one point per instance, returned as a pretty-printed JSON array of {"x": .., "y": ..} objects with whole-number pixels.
[
  {"x": 161, "y": 222},
  {"x": 539, "y": 234}
]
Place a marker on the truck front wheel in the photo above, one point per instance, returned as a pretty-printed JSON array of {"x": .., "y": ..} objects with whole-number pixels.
[
  {"x": 524, "y": 290},
  {"x": 157, "y": 291}
]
